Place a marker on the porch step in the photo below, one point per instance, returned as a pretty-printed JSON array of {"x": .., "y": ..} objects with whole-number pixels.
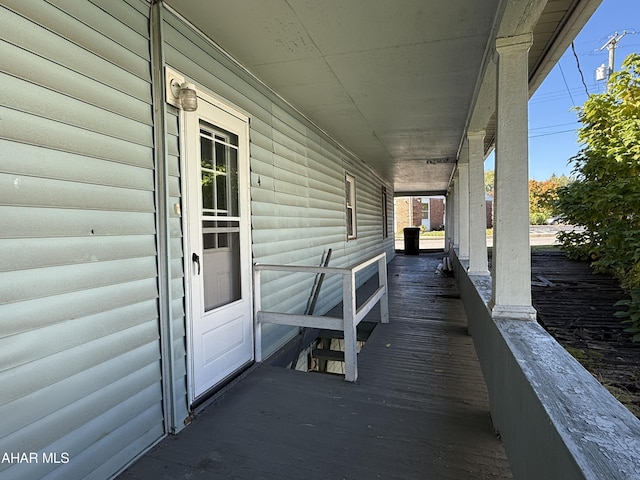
[
  {"x": 326, "y": 354},
  {"x": 363, "y": 331}
]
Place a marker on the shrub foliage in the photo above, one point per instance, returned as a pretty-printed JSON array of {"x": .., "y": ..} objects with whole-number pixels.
[{"x": 604, "y": 199}]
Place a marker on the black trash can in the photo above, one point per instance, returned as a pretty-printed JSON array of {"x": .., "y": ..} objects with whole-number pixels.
[{"x": 412, "y": 240}]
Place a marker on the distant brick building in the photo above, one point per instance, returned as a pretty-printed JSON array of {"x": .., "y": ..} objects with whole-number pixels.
[
  {"x": 428, "y": 212},
  {"x": 419, "y": 211}
]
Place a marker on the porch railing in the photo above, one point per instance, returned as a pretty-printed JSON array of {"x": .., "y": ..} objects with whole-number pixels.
[{"x": 351, "y": 316}]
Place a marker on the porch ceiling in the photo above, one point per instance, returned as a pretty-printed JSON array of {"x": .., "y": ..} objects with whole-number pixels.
[{"x": 395, "y": 82}]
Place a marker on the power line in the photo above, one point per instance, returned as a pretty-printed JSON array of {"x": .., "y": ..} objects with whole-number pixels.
[
  {"x": 552, "y": 133},
  {"x": 556, "y": 94},
  {"x": 565, "y": 84},
  {"x": 573, "y": 48},
  {"x": 553, "y": 126}
]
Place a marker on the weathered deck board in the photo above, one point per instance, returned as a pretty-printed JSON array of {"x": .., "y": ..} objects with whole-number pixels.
[
  {"x": 578, "y": 311},
  {"x": 418, "y": 411}
]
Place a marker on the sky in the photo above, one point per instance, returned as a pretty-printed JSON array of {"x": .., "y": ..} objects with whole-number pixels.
[{"x": 552, "y": 121}]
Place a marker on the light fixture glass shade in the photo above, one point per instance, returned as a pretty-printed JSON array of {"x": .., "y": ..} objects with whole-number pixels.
[{"x": 188, "y": 97}]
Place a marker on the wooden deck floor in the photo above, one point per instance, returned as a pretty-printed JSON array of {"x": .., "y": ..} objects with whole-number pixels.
[{"x": 418, "y": 411}]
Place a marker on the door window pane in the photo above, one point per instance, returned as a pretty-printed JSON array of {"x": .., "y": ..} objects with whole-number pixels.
[{"x": 220, "y": 212}]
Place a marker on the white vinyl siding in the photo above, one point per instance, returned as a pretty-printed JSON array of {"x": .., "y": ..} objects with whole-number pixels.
[{"x": 79, "y": 338}]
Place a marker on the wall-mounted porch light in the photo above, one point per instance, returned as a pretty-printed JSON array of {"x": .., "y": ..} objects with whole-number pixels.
[
  {"x": 179, "y": 92},
  {"x": 182, "y": 94}
]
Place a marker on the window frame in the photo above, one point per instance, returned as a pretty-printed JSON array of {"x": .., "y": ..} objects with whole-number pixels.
[
  {"x": 350, "y": 206},
  {"x": 385, "y": 212}
]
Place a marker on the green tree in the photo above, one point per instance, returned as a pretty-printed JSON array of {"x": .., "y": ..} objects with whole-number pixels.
[
  {"x": 488, "y": 182},
  {"x": 542, "y": 195},
  {"x": 605, "y": 198}
]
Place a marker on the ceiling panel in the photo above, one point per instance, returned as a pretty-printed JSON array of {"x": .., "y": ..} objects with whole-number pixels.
[{"x": 395, "y": 82}]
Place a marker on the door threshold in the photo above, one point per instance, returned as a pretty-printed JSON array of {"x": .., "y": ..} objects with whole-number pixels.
[{"x": 218, "y": 391}]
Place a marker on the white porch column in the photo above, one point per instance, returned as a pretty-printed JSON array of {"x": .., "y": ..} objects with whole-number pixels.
[
  {"x": 478, "y": 264},
  {"x": 463, "y": 209},
  {"x": 448, "y": 216},
  {"x": 456, "y": 211},
  {"x": 511, "y": 292}
]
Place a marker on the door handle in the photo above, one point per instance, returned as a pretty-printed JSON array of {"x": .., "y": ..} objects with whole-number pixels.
[{"x": 196, "y": 259}]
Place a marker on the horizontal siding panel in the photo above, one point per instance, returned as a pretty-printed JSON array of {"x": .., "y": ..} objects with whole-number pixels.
[
  {"x": 25, "y": 379},
  {"x": 177, "y": 289},
  {"x": 30, "y": 191},
  {"x": 300, "y": 226},
  {"x": 36, "y": 283},
  {"x": 134, "y": 15},
  {"x": 48, "y": 400},
  {"x": 296, "y": 250},
  {"x": 327, "y": 188},
  {"x": 176, "y": 247},
  {"x": 331, "y": 208},
  {"x": 172, "y": 122},
  {"x": 59, "y": 165},
  {"x": 261, "y": 161},
  {"x": 260, "y": 132},
  {"x": 20, "y": 31},
  {"x": 299, "y": 231},
  {"x": 326, "y": 154},
  {"x": 326, "y": 178},
  {"x": 261, "y": 197},
  {"x": 28, "y": 221},
  {"x": 287, "y": 195},
  {"x": 177, "y": 266},
  {"x": 296, "y": 125},
  {"x": 173, "y": 187},
  {"x": 97, "y": 416},
  {"x": 179, "y": 355},
  {"x": 135, "y": 435},
  {"x": 173, "y": 146},
  {"x": 88, "y": 38},
  {"x": 188, "y": 52},
  {"x": 289, "y": 136},
  {"x": 29, "y": 67},
  {"x": 177, "y": 310},
  {"x": 45, "y": 103},
  {"x": 23, "y": 127},
  {"x": 214, "y": 80},
  {"x": 175, "y": 227},
  {"x": 173, "y": 166},
  {"x": 262, "y": 187},
  {"x": 28, "y": 253},
  {"x": 289, "y": 161},
  {"x": 290, "y": 192},
  {"x": 34, "y": 345},
  {"x": 24, "y": 316},
  {"x": 136, "y": 41},
  {"x": 79, "y": 337},
  {"x": 261, "y": 147}
]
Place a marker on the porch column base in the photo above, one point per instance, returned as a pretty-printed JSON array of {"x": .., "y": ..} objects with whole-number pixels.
[
  {"x": 514, "y": 312},
  {"x": 484, "y": 273}
]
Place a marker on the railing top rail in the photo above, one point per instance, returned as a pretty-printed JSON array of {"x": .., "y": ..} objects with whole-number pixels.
[
  {"x": 300, "y": 268},
  {"x": 368, "y": 262},
  {"x": 312, "y": 269}
]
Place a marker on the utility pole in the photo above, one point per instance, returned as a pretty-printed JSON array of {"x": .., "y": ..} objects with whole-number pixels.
[{"x": 611, "y": 46}]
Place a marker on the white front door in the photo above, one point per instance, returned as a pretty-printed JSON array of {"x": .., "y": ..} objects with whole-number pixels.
[{"x": 217, "y": 246}]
